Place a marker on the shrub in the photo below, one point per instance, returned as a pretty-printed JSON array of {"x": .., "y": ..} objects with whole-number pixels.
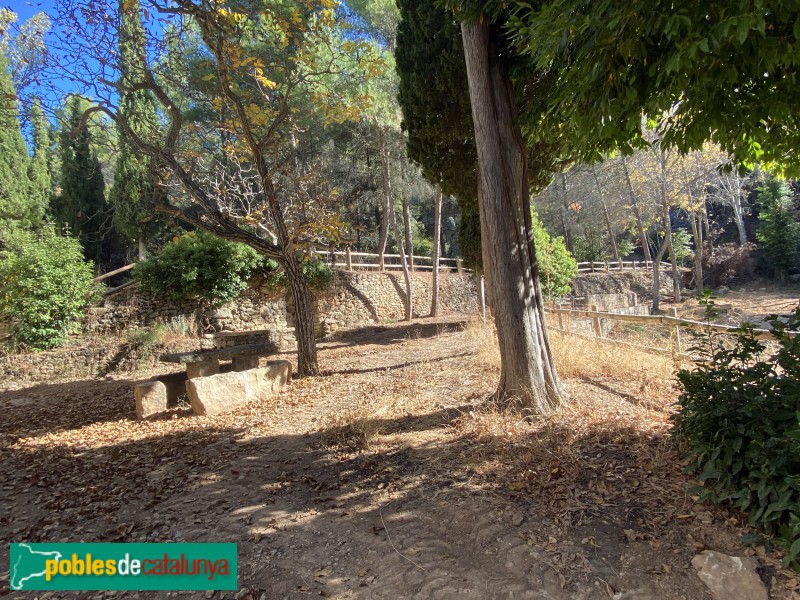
[
  {"x": 46, "y": 285},
  {"x": 740, "y": 417},
  {"x": 557, "y": 267},
  {"x": 199, "y": 265},
  {"x": 725, "y": 262},
  {"x": 316, "y": 272}
]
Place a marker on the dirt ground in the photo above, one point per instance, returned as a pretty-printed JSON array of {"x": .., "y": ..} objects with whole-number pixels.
[
  {"x": 752, "y": 303},
  {"x": 387, "y": 477}
]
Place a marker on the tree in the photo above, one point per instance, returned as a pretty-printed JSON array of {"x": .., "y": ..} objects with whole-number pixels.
[
  {"x": 701, "y": 70},
  {"x": 24, "y": 46},
  {"x": 236, "y": 78},
  {"x": 528, "y": 376},
  {"x": 81, "y": 205},
  {"x": 17, "y": 208},
  {"x": 778, "y": 230},
  {"x": 134, "y": 193},
  {"x": 41, "y": 185},
  {"x": 434, "y": 96},
  {"x": 46, "y": 285}
]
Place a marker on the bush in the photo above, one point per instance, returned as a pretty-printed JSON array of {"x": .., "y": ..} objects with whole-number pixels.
[
  {"x": 740, "y": 416},
  {"x": 316, "y": 272},
  {"x": 725, "y": 262},
  {"x": 778, "y": 232},
  {"x": 46, "y": 285},
  {"x": 557, "y": 267},
  {"x": 199, "y": 265}
]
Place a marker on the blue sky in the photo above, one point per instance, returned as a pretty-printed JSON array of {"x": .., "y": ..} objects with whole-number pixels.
[{"x": 27, "y": 8}]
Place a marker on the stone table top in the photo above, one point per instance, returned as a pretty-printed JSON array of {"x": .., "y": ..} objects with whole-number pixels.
[{"x": 265, "y": 349}]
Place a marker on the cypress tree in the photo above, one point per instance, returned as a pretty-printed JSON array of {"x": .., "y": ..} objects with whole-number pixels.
[
  {"x": 81, "y": 206},
  {"x": 41, "y": 187},
  {"x": 434, "y": 96},
  {"x": 17, "y": 210},
  {"x": 134, "y": 193}
]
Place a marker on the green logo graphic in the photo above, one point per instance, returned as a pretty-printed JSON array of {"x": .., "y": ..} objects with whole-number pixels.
[{"x": 123, "y": 567}]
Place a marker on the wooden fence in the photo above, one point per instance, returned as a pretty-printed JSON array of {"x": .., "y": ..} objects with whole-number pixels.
[
  {"x": 674, "y": 322},
  {"x": 367, "y": 261},
  {"x": 622, "y": 265}
]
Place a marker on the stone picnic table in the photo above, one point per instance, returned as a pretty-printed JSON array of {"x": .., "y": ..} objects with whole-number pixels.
[{"x": 202, "y": 363}]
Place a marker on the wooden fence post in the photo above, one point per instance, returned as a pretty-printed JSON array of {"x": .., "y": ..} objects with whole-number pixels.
[
  {"x": 349, "y": 259},
  {"x": 676, "y": 331},
  {"x": 459, "y": 265},
  {"x": 598, "y": 330}
]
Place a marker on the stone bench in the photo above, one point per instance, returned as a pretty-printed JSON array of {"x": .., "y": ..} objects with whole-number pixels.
[
  {"x": 216, "y": 394},
  {"x": 203, "y": 363}
]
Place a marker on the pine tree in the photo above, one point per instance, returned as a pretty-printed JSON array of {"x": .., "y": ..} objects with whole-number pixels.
[
  {"x": 133, "y": 193},
  {"x": 17, "y": 211},
  {"x": 81, "y": 206},
  {"x": 778, "y": 230},
  {"x": 41, "y": 187}
]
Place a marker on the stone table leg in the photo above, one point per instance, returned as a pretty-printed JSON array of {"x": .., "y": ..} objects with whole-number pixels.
[
  {"x": 203, "y": 368},
  {"x": 243, "y": 362}
]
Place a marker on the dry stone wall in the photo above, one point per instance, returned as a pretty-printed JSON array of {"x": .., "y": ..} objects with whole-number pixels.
[{"x": 352, "y": 299}]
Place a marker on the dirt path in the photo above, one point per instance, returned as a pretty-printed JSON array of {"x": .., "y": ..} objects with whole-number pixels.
[{"x": 386, "y": 478}]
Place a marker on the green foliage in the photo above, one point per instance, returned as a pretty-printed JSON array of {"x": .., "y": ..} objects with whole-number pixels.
[
  {"x": 625, "y": 248},
  {"x": 434, "y": 96},
  {"x": 199, "y": 265},
  {"x": 590, "y": 248},
  {"x": 682, "y": 245},
  {"x": 17, "y": 209},
  {"x": 778, "y": 231},
  {"x": 46, "y": 284},
  {"x": 723, "y": 71},
  {"x": 81, "y": 206},
  {"x": 41, "y": 185},
  {"x": 740, "y": 417},
  {"x": 557, "y": 267},
  {"x": 134, "y": 193},
  {"x": 317, "y": 274}
]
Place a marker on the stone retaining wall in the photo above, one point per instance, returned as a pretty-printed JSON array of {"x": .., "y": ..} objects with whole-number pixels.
[{"x": 352, "y": 299}]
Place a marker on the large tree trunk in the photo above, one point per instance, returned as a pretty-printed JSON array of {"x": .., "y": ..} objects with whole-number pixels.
[
  {"x": 437, "y": 235},
  {"x": 527, "y": 373},
  {"x": 636, "y": 212},
  {"x": 388, "y": 205},
  {"x": 303, "y": 317}
]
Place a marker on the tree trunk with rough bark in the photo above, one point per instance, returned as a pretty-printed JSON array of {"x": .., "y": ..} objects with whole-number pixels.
[
  {"x": 303, "y": 317},
  {"x": 437, "y": 235},
  {"x": 528, "y": 377}
]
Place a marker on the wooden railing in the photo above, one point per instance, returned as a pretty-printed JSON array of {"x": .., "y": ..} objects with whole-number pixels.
[
  {"x": 367, "y": 261},
  {"x": 622, "y": 265},
  {"x": 674, "y": 322}
]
